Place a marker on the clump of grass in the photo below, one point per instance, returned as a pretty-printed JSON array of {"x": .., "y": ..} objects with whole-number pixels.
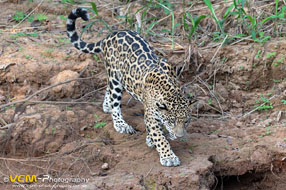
[
  {"x": 266, "y": 104},
  {"x": 195, "y": 23},
  {"x": 213, "y": 15},
  {"x": 99, "y": 125},
  {"x": 19, "y": 16},
  {"x": 24, "y": 34},
  {"x": 96, "y": 19},
  {"x": 237, "y": 14},
  {"x": 38, "y": 17}
]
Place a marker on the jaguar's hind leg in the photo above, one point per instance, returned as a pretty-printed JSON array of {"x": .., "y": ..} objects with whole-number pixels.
[
  {"x": 107, "y": 103},
  {"x": 119, "y": 124}
]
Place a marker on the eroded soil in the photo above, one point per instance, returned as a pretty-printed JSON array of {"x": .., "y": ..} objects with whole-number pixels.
[{"x": 63, "y": 132}]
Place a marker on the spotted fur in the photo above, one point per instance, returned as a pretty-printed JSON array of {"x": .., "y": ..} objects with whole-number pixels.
[{"x": 133, "y": 66}]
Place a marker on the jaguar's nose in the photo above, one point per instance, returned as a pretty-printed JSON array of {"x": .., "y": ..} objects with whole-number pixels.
[{"x": 180, "y": 131}]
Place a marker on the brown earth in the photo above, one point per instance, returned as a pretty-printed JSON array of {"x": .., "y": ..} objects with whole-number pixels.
[{"x": 57, "y": 132}]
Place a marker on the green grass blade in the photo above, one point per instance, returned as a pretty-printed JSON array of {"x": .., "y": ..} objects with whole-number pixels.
[
  {"x": 210, "y": 6},
  {"x": 106, "y": 25},
  {"x": 94, "y": 8},
  {"x": 228, "y": 11},
  {"x": 186, "y": 26},
  {"x": 173, "y": 21},
  {"x": 86, "y": 27},
  {"x": 151, "y": 26},
  {"x": 196, "y": 23},
  {"x": 276, "y": 7},
  {"x": 191, "y": 18},
  {"x": 268, "y": 18}
]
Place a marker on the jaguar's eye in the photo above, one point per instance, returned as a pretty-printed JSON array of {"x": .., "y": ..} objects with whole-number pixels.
[
  {"x": 162, "y": 106},
  {"x": 173, "y": 120},
  {"x": 187, "y": 121}
]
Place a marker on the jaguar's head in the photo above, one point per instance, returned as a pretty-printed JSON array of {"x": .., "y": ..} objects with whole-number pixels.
[
  {"x": 174, "y": 111},
  {"x": 167, "y": 100}
]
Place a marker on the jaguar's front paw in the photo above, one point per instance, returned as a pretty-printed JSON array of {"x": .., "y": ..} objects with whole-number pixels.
[
  {"x": 149, "y": 142},
  {"x": 172, "y": 160},
  {"x": 106, "y": 108},
  {"x": 171, "y": 136},
  {"x": 123, "y": 127}
]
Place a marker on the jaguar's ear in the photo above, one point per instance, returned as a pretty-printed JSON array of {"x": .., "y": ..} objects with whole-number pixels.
[{"x": 161, "y": 106}]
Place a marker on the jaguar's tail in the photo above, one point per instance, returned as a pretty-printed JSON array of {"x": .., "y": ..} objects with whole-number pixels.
[{"x": 73, "y": 36}]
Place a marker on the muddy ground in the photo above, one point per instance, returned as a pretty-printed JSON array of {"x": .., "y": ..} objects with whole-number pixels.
[{"x": 60, "y": 130}]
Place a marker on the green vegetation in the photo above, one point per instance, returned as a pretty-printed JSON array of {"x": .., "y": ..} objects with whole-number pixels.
[
  {"x": 195, "y": 23},
  {"x": 258, "y": 55},
  {"x": 168, "y": 23},
  {"x": 268, "y": 132},
  {"x": 266, "y": 104},
  {"x": 99, "y": 125},
  {"x": 68, "y": 1},
  {"x": 39, "y": 17},
  {"x": 28, "y": 56},
  {"x": 210, "y": 101},
  {"x": 237, "y": 16},
  {"x": 23, "y": 34},
  {"x": 20, "y": 15},
  {"x": 270, "y": 54}
]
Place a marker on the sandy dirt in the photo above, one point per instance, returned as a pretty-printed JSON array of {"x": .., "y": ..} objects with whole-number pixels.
[{"x": 62, "y": 131}]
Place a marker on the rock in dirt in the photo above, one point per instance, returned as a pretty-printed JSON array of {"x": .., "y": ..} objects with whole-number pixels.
[
  {"x": 105, "y": 166},
  {"x": 64, "y": 90}
]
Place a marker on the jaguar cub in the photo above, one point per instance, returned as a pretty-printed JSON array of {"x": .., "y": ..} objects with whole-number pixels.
[{"x": 132, "y": 65}]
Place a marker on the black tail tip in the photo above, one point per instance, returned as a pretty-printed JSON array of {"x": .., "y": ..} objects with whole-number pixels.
[{"x": 81, "y": 12}]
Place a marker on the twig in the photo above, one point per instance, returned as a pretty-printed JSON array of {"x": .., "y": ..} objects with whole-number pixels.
[
  {"x": 188, "y": 57},
  {"x": 14, "y": 174},
  {"x": 219, "y": 48},
  {"x": 207, "y": 115},
  {"x": 28, "y": 14},
  {"x": 3, "y": 121},
  {"x": 241, "y": 39},
  {"x": 7, "y": 126},
  {"x": 75, "y": 149},
  {"x": 87, "y": 166},
  {"x": 91, "y": 92},
  {"x": 205, "y": 7},
  {"x": 55, "y": 102},
  {"x": 202, "y": 82},
  {"x": 40, "y": 91},
  {"x": 149, "y": 172},
  {"x": 256, "y": 108},
  {"x": 23, "y": 160},
  {"x": 39, "y": 167},
  {"x": 271, "y": 169}
]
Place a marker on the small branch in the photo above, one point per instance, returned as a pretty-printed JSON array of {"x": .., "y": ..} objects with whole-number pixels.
[
  {"x": 245, "y": 115},
  {"x": 148, "y": 172},
  {"x": 3, "y": 121},
  {"x": 212, "y": 94},
  {"x": 28, "y": 14},
  {"x": 91, "y": 92},
  {"x": 55, "y": 102},
  {"x": 7, "y": 126},
  {"x": 218, "y": 48},
  {"x": 40, "y": 91}
]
